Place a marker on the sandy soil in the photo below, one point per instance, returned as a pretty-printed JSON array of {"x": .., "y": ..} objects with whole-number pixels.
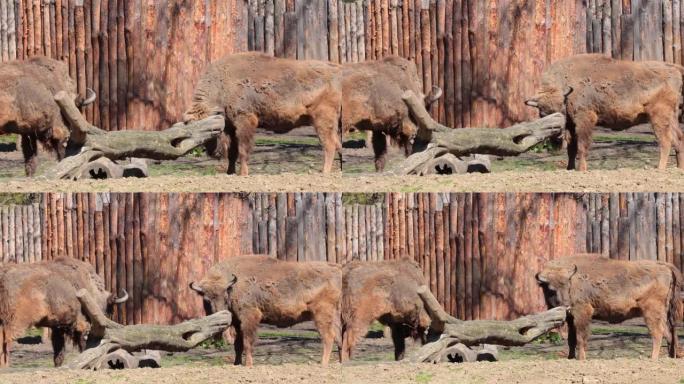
[
  {"x": 561, "y": 371},
  {"x": 620, "y": 180}
]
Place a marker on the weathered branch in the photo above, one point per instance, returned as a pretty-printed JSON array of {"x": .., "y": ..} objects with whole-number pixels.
[
  {"x": 113, "y": 336},
  {"x": 94, "y": 143},
  {"x": 454, "y": 331},
  {"x": 438, "y": 139}
]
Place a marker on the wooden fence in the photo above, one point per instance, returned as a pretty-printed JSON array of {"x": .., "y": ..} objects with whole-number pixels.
[
  {"x": 478, "y": 251},
  {"x": 144, "y": 58}
]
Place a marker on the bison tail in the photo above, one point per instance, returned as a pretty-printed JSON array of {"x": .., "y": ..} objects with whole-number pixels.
[{"x": 674, "y": 313}]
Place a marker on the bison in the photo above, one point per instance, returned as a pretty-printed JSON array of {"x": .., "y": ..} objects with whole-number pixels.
[
  {"x": 385, "y": 291},
  {"x": 594, "y": 287},
  {"x": 44, "y": 295},
  {"x": 593, "y": 89},
  {"x": 28, "y": 109},
  {"x": 259, "y": 288},
  {"x": 256, "y": 90},
  {"x": 372, "y": 101}
]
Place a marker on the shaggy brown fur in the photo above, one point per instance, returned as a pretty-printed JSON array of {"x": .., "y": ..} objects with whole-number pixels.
[
  {"x": 614, "y": 290},
  {"x": 372, "y": 101},
  {"x": 44, "y": 295},
  {"x": 385, "y": 291},
  {"x": 27, "y": 105},
  {"x": 256, "y": 90},
  {"x": 593, "y": 89},
  {"x": 280, "y": 293}
]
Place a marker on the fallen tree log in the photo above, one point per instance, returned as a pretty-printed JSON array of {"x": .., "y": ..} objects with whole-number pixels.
[
  {"x": 108, "y": 336},
  {"x": 435, "y": 140},
  {"x": 88, "y": 143},
  {"x": 476, "y": 332}
]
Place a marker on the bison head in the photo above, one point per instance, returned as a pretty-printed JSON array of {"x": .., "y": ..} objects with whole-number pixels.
[
  {"x": 555, "y": 281},
  {"x": 550, "y": 98},
  {"x": 413, "y": 81},
  {"x": 215, "y": 290}
]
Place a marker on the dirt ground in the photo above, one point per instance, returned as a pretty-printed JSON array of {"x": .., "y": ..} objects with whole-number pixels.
[
  {"x": 617, "y": 354},
  {"x": 623, "y": 161}
]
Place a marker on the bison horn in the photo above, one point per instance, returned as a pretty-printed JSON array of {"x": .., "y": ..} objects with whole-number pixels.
[
  {"x": 532, "y": 103},
  {"x": 90, "y": 97},
  {"x": 123, "y": 298},
  {"x": 433, "y": 96},
  {"x": 568, "y": 90},
  {"x": 233, "y": 282},
  {"x": 540, "y": 279},
  {"x": 195, "y": 288}
]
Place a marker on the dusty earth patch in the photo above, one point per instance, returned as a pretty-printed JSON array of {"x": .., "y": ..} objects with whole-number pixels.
[
  {"x": 617, "y": 354},
  {"x": 619, "y": 162},
  {"x": 589, "y": 371}
]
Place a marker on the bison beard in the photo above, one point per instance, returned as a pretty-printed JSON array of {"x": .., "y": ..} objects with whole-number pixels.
[
  {"x": 614, "y": 290},
  {"x": 614, "y": 94}
]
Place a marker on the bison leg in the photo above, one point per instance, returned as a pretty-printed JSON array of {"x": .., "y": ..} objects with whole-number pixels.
[
  {"x": 678, "y": 141},
  {"x": 380, "y": 150},
  {"x": 6, "y": 340},
  {"x": 664, "y": 123},
  {"x": 29, "y": 147},
  {"x": 58, "y": 346},
  {"x": 326, "y": 123},
  {"x": 399, "y": 335},
  {"x": 584, "y": 125},
  {"x": 582, "y": 315},
  {"x": 352, "y": 333},
  {"x": 239, "y": 345},
  {"x": 243, "y": 141},
  {"x": 326, "y": 319},
  {"x": 655, "y": 322},
  {"x": 571, "y": 146},
  {"x": 572, "y": 338},
  {"x": 247, "y": 334}
]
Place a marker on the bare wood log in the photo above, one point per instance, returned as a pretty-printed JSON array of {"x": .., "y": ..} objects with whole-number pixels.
[
  {"x": 114, "y": 336},
  {"x": 454, "y": 331},
  {"x": 95, "y": 143},
  {"x": 438, "y": 139}
]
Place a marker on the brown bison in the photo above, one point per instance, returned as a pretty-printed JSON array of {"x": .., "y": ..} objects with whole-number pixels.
[
  {"x": 256, "y": 90},
  {"x": 28, "y": 109},
  {"x": 372, "y": 101},
  {"x": 385, "y": 291},
  {"x": 594, "y": 287},
  {"x": 44, "y": 295},
  {"x": 593, "y": 89},
  {"x": 259, "y": 288}
]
